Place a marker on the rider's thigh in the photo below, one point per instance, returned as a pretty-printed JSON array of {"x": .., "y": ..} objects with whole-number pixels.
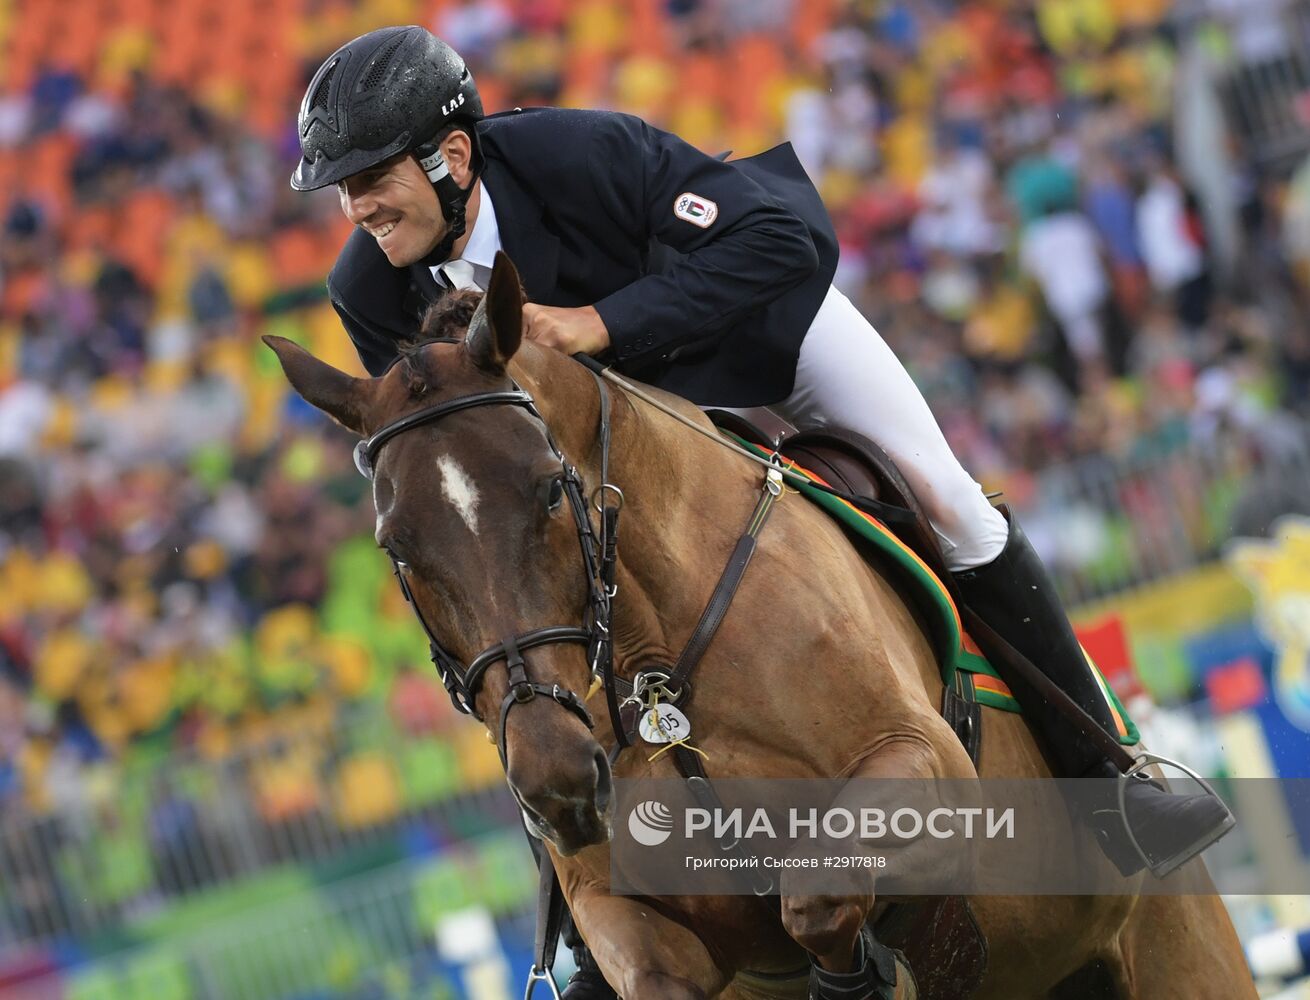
[{"x": 847, "y": 376}]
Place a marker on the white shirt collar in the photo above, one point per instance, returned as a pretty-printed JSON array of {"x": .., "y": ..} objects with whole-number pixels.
[{"x": 484, "y": 241}]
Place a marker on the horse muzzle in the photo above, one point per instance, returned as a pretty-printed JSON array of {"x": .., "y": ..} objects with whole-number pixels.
[{"x": 570, "y": 807}]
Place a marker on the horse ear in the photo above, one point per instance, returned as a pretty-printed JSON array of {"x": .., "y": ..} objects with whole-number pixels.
[
  {"x": 342, "y": 397},
  {"x": 496, "y": 329}
]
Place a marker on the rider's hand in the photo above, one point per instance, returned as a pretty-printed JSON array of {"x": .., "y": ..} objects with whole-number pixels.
[{"x": 573, "y": 331}]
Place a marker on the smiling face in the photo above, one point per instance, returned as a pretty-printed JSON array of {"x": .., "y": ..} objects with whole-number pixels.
[{"x": 395, "y": 203}]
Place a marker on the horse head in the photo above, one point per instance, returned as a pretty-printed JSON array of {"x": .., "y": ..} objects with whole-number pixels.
[{"x": 479, "y": 512}]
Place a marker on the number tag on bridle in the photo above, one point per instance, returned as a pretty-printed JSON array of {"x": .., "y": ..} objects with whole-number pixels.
[{"x": 663, "y": 724}]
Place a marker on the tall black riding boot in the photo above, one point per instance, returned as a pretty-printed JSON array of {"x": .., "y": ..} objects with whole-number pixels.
[{"x": 1015, "y": 597}]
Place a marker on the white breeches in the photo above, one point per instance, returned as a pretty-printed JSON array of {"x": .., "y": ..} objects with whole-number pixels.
[{"x": 848, "y": 377}]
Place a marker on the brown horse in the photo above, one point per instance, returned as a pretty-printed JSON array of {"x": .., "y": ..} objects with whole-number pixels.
[{"x": 475, "y": 511}]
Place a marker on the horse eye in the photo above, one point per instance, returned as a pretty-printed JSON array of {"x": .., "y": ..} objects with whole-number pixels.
[{"x": 556, "y": 495}]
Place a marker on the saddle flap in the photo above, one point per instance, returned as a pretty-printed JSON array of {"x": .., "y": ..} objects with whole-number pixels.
[{"x": 759, "y": 425}]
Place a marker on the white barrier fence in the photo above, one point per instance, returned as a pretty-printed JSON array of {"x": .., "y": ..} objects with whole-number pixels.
[
  {"x": 188, "y": 826},
  {"x": 381, "y": 934}
]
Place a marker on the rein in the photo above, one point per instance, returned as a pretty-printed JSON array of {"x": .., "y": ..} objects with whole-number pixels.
[{"x": 886, "y": 512}]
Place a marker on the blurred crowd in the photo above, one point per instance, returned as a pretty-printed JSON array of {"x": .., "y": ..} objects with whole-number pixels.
[
  {"x": 185, "y": 549},
  {"x": 1018, "y": 219}
]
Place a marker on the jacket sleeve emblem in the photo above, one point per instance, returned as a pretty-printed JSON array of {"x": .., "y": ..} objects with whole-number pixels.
[{"x": 693, "y": 208}]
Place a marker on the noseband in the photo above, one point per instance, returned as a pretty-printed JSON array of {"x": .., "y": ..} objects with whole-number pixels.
[{"x": 598, "y": 556}]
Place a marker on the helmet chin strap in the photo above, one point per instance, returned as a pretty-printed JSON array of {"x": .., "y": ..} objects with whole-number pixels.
[{"x": 452, "y": 198}]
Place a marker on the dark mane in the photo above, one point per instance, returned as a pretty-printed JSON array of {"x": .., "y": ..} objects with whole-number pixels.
[{"x": 446, "y": 319}]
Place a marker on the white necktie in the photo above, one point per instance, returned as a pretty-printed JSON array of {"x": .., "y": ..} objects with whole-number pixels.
[{"x": 460, "y": 274}]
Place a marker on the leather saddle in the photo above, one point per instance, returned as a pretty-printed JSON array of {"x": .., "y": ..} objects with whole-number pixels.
[{"x": 844, "y": 459}]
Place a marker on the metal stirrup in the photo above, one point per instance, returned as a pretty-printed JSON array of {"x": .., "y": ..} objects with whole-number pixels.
[
  {"x": 1144, "y": 760},
  {"x": 535, "y": 976}
]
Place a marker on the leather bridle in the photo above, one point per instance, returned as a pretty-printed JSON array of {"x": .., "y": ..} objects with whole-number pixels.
[{"x": 598, "y": 555}]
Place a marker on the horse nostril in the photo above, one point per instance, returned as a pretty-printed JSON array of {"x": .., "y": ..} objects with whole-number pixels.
[
  {"x": 604, "y": 782},
  {"x": 533, "y": 817}
]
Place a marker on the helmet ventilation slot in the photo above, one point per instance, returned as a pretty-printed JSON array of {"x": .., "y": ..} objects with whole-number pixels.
[{"x": 378, "y": 71}]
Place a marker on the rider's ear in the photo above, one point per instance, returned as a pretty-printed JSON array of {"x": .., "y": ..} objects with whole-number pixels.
[
  {"x": 497, "y": 327},
  {"x": 457, "y": 151},
  {"x": 342, "y": 397}
]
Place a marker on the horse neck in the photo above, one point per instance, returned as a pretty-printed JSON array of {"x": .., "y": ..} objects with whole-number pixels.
[{"x": 686, "y": 499}]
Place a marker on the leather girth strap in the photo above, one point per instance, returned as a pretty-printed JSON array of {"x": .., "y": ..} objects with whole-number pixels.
[{"x": 963, "y": 714}]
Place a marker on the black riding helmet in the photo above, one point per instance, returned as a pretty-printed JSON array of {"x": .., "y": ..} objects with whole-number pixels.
[{"x": 387, "y": 92}]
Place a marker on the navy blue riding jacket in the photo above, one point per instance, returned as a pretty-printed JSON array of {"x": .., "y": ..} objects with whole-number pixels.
[{"x": 706, "y": 273}]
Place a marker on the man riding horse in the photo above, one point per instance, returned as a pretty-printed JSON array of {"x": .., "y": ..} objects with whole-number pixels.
[{"x": 711, "y": 279}]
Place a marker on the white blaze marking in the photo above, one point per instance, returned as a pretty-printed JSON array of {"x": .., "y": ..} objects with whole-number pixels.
[{"x": 459, "y": 490}]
